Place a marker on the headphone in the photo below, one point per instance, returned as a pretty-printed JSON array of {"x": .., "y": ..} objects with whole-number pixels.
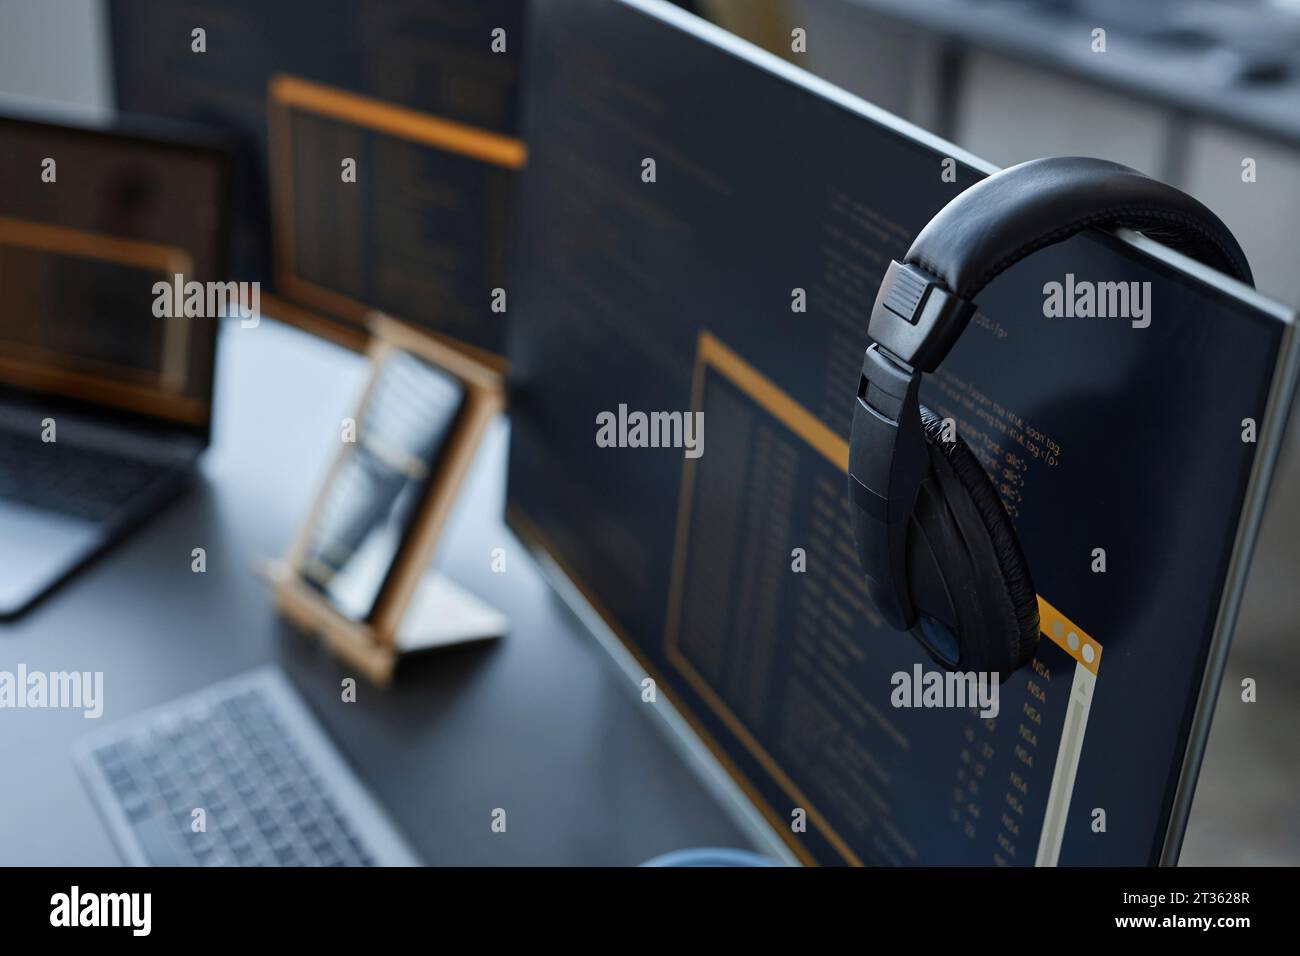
[{"x": 940, "y": 553}]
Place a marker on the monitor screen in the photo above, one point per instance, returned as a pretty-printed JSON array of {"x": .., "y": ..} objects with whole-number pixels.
[
  {"x": 702, "y": 232},
  {"x": 379, "y": 148},
  {"x": 106, "y": 221}
]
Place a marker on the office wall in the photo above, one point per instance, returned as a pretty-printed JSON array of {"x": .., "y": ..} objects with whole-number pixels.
[
  {"x": 55, "y": 49},
  {"x": 1009, "y": 112},
  {"x": 1263, "y": 214}
]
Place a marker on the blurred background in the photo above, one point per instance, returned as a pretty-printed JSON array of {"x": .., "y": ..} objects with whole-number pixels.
[{"x": 1194, "y": 92}]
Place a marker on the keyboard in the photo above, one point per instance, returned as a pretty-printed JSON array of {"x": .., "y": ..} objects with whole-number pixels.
[
  {"x": 71, "y": 479},
  {"x": 247, "y": 761}
]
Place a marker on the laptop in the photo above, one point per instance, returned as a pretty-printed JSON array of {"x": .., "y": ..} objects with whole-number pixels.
[{"x": 105, "y": 388}]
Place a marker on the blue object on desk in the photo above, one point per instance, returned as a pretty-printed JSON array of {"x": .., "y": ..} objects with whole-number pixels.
[{"x": 712, "y": 856}]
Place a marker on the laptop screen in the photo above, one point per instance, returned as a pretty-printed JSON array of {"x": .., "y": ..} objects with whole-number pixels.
[
  {"x": 104, "y": 240},
  {"x": 702, "y": 233}
]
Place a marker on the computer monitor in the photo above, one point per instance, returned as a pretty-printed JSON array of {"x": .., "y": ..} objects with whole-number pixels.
[
  {"x": 100, "y": 211},
  {"x": 379, "y": 148},
  {"x": 703, "y": 228}
]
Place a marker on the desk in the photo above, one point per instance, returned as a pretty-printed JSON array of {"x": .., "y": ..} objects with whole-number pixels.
[{"x": 541, "y": 723}]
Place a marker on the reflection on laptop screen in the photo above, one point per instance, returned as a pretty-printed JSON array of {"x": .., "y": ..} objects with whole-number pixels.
[
  {"x": 104, "y": 218},
  {"x": 732, "y": 576}
]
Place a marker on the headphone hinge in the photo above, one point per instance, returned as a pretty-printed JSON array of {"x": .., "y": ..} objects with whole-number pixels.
[
  {"x": 916, "y": 318},
  {"x": 887, "y": 463}
]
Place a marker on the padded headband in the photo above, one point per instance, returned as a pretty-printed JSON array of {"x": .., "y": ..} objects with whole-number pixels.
[{"x": 1002, "y": 219}]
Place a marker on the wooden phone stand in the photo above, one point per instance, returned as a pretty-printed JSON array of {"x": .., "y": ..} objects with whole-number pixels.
[{"x": 416, "y": 609}]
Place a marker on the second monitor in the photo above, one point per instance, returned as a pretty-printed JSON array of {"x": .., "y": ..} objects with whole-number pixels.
[{"x": 379, "y": 148}]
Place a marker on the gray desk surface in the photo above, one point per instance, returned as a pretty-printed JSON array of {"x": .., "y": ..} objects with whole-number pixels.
[{"x": 540, "y": 723}]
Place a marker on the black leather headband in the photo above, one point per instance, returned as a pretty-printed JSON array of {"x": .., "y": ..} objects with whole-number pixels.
[
  {"x": 1011, "y": 214},
  {"x": 1000, "y": 220}
]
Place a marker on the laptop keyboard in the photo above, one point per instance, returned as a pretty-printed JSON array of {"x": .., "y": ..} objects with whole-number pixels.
[
  {"x": 70, "y": 479},
  {"x": 264, "y": 804}
]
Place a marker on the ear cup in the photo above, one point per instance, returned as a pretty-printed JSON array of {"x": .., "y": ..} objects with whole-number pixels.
[{"x": 987, "y": 558}]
